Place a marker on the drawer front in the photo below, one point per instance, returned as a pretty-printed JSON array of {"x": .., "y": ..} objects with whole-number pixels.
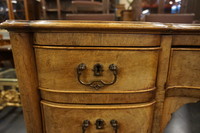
[
  {"x": 184, "y": 68},
  {"x": 94, "y": 97},
  {"x": 96, "y": 39},
  {"x": 57, "y": 68},
  {"x": 130, "y": 118},
  {"x": 186, "y": 40}
]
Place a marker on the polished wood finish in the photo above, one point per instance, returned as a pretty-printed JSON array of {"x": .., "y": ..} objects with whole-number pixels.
[
  {"x": 129, "y": 72},
  {"x": 186, "y": 40},
  {"x": 96, "y": 39},
  {"x": 156, "y": 62},
  {"x": 62, "y": 64},
  {"x": 184, "y": 67},
  {"x": 131, "y": 118},
  {"x": 172, "y": 104},
  {"x": 182, "y": 85},
  {"x": 162, "y": 74},
  {"x": 27, "y": 80},
  {"x": 91, "y": 26},
  {"x": 98, "y": 97}
]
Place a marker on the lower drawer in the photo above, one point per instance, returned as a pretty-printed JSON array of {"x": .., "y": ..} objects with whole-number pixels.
[{"x": 71, "y": 118}]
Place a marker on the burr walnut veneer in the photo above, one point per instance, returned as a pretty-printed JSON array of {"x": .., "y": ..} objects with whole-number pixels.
[{"x": 104, "y": 77}]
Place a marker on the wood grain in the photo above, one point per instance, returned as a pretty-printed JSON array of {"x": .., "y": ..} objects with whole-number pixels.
[
  {"x": 171, "y": 105},
  {"x": 162, "y": 74},
  {"x": 60, "y": 25},
  {"x": 98, "y": 97},
  {"x": 186, "y": 40},
  {"x": 183, "y": 91},
  {"x": 57, "y": 68},
  {"x": 155, "y": 62},
  {"x": 136, "y": 117},
  {"x": 96, "y": 39},
  {"x": 184, "y": 67},
  {"x": 27, "y": 79},
  {"x": 99, "y": 26}
]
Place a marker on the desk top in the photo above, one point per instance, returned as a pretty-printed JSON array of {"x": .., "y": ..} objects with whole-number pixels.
[
  {"x": 59, "y": 24},
  {"x": 121, "y": 26}
]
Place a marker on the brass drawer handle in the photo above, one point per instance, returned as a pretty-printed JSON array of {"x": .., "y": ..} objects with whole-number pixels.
[
  {"x": 115, "y": 125},
  {"x": 85, "y": 125},
  {"x": 98, "y": 69}
]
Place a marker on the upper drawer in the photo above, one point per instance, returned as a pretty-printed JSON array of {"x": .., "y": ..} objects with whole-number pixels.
[
  {"x": 184, "y": 67},
  {"x": 186, "y": 40},
  {"x": 97, "y": 39},
  {"x": 57, "y": 68}
]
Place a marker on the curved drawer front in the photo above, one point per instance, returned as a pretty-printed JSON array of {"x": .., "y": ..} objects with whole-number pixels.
[
  {"x": 57, "y": 68},
  {"x": 130, "y": 118},
  {"x": 98, "y": 97}
]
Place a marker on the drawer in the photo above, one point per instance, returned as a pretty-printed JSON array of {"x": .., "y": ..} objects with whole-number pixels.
[
  {"x": 131, "y": 118},
  {"x": 57, "y": 68},
  {"x": 96, "y": 39},
  {"x": 184, "y": 68},
  {"x": 59, "y": 82},
  {"x": 186, "y": 40}
]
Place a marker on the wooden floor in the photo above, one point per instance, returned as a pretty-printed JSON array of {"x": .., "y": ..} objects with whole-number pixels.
[{"x": 185, "y": 120}]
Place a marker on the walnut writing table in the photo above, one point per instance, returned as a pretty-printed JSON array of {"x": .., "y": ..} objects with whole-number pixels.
[{"x": 92, "y": 77}]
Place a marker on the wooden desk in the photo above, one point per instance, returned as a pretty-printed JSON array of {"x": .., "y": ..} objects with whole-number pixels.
[{"x": 104, "y": 76}]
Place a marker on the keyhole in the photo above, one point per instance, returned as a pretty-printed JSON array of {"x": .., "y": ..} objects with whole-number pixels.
[
  {"x": 99, "y": 124},
  {"x": 98, "y": 69}
]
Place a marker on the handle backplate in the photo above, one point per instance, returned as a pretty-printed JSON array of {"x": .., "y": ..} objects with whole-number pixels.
[{"x": 98, "y": 69}]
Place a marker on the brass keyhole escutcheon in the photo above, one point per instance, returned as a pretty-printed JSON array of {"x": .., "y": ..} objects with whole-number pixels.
[
  {"x": 99, "y": 124},
  {"x": 98, "y": 70}
]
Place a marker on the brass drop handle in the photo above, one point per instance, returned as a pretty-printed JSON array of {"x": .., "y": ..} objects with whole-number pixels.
[
  {"x": 85, "y": 125},
  {"x": 98, "y": 69},
  {"x": 115, "y": 125}
]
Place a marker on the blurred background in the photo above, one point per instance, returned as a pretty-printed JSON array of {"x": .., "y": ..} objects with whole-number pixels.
[
  {"x": 115, "y": 10},
  {"x": 166, "y": 11}
]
